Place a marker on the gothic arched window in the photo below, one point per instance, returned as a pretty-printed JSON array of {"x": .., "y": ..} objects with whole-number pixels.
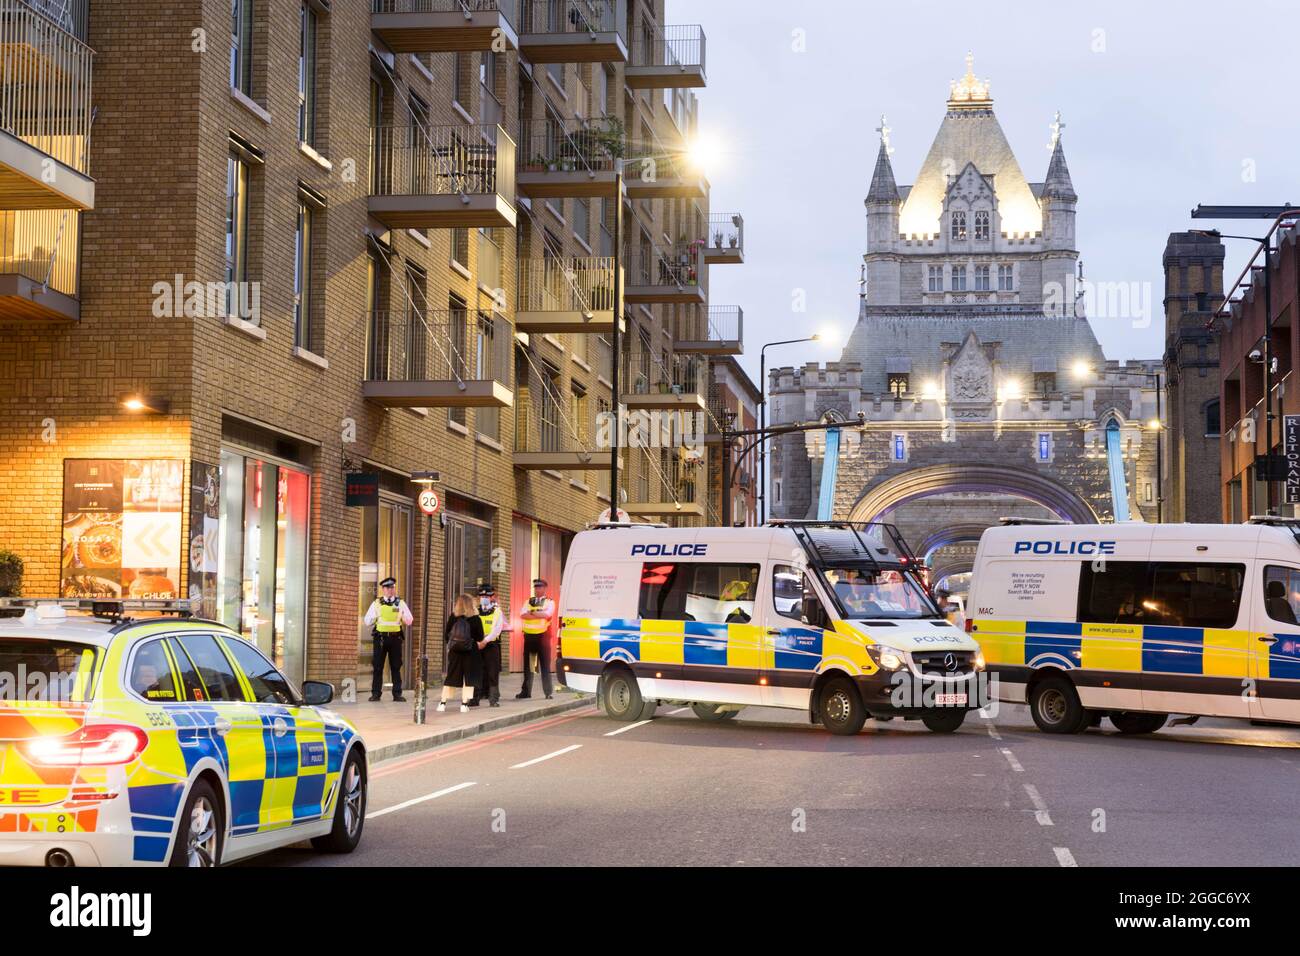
[
  {"x": 958, "y": 224},
  {"x": 982, "y": 219}
]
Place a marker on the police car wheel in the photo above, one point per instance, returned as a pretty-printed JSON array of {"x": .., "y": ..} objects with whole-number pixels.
[
  {"x": 840, "y": 708},
  {"x": 1054, "y": 705},
  {"x": 198, "y": 835},
  {"x": 943, "y": 721},
  {"x": 622, "y": 696},
  {"x": 349, "y": 811},
  {"x": 1129, "y": 723},
  {"x": 710, "y": 712}
]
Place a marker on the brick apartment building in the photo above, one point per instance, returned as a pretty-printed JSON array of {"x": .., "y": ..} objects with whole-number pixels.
[
  {"x": 285, "y": 242},
  {"x": 1244, "y": 437},
  {"x": 734, "y": 399}
]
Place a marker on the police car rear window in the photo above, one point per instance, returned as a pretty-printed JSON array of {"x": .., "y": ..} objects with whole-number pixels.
[
  {"x": 151, "y": 674},
  {"x": 45, "y": 670}
]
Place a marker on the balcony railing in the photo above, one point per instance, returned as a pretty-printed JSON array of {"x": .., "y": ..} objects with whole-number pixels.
[
  {"x": 726, "y": 238},
  {"x": 578, "y": 17},
  {"x": 462, "y": 163},
  {"x": 673, "y": 382},
  {"x": 571, "y": 145},
  {"x": 417, "y": 358},
  {"x": 42, "y": 245},
  {"x": 45, "y": 103},
  {"x": 717, "y": 330},
  {"x": 664, "y": 57},
  {"x": 489, "y": 265},
  {"x": 444, "y": 26},
  {"x": 72, "y": 16},
  {"x": 664, "y": 277},
  {"x": 552, "y": 431},
  {"x": 566, "y": 294}
]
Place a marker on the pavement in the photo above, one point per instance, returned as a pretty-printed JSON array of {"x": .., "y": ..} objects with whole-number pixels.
[
  {"x": 768, "y": 788},
  {"x": 389, "y": 728}
]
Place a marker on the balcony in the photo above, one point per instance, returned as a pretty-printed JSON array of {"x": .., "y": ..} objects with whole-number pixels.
[
  {"x": 667, "y": 58},
  {"x": 45, "y": 108},
  {"x": 681, "y": 493},
  {"x": 671, "y": 278},
  {"x": 570, "y": 159},
  {"x": 649, "y": 384},
  {"x": 442, "y": 177},
  {"x": 652, "y": 172},
  {"x": 444, "y": 26},
  {"x": 553, "y": 433},
  {"x": 725, "y": 244},
  {"x": 449, "y": 359},
  {"x": 568, "y": 294},
  {"x": 572, "y": 31},
  {"x": 39, "y": 267},
  {"x": 717, "y": 330}
]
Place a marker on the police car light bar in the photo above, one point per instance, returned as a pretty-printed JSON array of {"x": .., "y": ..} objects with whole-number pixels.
[{"x": 105, "y": 607}]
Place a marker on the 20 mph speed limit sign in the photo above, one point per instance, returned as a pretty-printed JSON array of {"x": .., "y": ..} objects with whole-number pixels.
[{"x": 429, "y": 502}]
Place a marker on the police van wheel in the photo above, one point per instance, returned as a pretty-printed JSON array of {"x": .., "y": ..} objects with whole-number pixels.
[
  {"x": 840, "y": 708},
  {"x": 622, "y": 697},
  {"x": 1054, "y": 705},
  {"x": 943, "y": 721},
  {"x": 1130, "y": 723},
  {"x": 350, "y": 810},
  {"x": 200, "y": 832},
  {"x": 711, "y": 713}
]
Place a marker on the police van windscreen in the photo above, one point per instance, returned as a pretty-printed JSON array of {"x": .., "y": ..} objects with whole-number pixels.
[{"x": 884, "y": 593}]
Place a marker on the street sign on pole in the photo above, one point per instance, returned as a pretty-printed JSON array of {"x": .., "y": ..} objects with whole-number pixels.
[
  {"x": 1291, "y": 454},
  {"x": 429, "y": 502}
]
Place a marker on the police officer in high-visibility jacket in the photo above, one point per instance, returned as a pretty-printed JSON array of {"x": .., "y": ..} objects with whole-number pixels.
[
  {"x": 493, "y": 621},
  {"x": 386, "y": 617},
  {"x": 535, "y": 621}
]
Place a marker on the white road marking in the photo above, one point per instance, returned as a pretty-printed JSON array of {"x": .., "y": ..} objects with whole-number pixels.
[
  {"x": 1040, "y": 808},
  {"x": 1011, "y": 759},
  {"x": 993, "y": 732},
  {"x": 410, "y": 803},
  {"x": 1064, "y": 856},
  {"x": 529, "y": 763},
  {"x": 679, "y": 710},
  {"x": 625, "y": 729}
]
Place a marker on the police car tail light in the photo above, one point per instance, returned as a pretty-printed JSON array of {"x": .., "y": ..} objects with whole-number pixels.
[{"x": 95, "y": 745}]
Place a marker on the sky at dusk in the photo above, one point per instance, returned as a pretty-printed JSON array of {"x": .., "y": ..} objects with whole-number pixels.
[{"x": 1165, "y": 106}]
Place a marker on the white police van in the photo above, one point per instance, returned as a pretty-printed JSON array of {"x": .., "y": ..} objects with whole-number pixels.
[
  {"x": 831, "y": 618},
  {"x": 1135, "y": 622}
]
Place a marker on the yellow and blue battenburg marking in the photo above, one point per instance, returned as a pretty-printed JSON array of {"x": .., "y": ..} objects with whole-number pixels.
[{"x": 1135, "y": 648}]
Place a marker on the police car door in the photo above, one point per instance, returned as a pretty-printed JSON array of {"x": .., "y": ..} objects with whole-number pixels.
[{"x": 1275, "y": 635}]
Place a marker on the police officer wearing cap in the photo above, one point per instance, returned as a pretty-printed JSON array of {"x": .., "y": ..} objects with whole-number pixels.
[
  {"x": 387, "y": 615},
  {"x": 492, "y": 618},
  {"x": 535, "y": 622}
]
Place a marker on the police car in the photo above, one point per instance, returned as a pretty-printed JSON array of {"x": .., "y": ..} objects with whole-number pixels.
[
  {"x": 1134, "y": 622},
  {"x": 162, "y": 740},
  {"x": 831, "y": 618}
]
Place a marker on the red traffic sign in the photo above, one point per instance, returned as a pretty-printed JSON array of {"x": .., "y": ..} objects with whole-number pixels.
[{"x": 429, "y": 501}]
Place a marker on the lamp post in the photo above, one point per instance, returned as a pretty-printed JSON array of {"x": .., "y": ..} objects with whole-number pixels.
[
  {"x": 429, "y": 503},
  {"x": 1270, "y": 472},
  {"x": 615, "y": 342},
  {"x": 762, "y": 418}
]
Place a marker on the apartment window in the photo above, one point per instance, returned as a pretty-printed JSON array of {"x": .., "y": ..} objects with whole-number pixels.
[
  {"x": 556, "y": 72},
  {"x": 241, "y": 45},
  {"x": 934, "y": 278},
  {"x": 236, "y": 230},
  {"x": 302, "y": 249},
  {"x": 457, "y": 347},
  {"x": 898, "y": 384},
  {"x": 981, "y": 278},
  {"x": 548, "y": 408},
  {"x": 958, "y": 225},
  {"x": 487, "y": 421},
  {"x": 457, "y": 70},
  {"x": 982, "y": 218},
  {"x": 958, "y": 278},
  {"x": 578, "y": 412},
  {"x": 460, "y": 247},
  {"x": 307, "y": 77},
  {"x": 582, "y": 219},
  {"x": 1005, "y": 281},
  {"x": 601, "y": 80}
]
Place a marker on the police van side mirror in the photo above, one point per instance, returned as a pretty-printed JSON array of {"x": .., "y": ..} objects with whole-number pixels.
[
  {"x": 316, "y": 693},
  {"x": 812, "y": 612}
]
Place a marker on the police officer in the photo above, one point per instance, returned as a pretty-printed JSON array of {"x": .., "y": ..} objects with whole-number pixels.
[
  {"x": 387, "y": 615},
  {"x": 490, "y": 615},
  {"x": 535, "y": 622}
]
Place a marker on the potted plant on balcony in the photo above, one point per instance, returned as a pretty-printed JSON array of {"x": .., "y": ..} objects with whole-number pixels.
[
  {"x": 611, "y": 138},
  {"x": 535, "y": 165},
  {"x": 733, "y": 239},
  {"x": 717, "y": 239}
]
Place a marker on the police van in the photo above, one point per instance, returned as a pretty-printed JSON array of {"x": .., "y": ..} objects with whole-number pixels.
[
  {"x": 831, "y": 618},
  {"x": 1135, "y": 622}
]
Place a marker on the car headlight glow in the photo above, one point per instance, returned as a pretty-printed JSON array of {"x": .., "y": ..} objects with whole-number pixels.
[
  {"x": 978, "y": 661},
  {"x": 890, "y": 658}
]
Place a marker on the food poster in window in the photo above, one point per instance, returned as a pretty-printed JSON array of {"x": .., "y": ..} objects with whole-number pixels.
[
  {"x": 121, "y": 528},
  {"x": 205, "y": 515}
]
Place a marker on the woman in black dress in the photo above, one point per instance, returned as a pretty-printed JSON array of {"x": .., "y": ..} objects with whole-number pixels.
[{"x": 463, "y": 652}]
